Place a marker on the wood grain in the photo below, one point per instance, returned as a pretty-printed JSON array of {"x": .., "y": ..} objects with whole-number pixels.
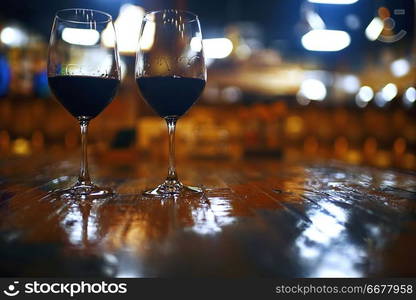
[{"x": 257, "y": 218}]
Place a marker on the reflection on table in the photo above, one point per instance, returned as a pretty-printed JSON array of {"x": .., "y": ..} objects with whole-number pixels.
[{"x": 255, "y": 218}]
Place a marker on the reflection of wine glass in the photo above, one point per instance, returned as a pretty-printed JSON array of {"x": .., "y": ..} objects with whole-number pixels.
[
  {"x": 84, "y": 76},
  {"x": 171, "y": 74}
]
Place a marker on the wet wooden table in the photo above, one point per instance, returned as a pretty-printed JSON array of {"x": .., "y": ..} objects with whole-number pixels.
[{"x": 258, "y": 218}]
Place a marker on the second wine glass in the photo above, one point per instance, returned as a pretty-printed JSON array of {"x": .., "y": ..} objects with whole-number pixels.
[{"x": 171, "y": 75}]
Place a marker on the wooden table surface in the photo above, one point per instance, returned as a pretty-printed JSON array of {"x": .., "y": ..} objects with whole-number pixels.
[{"x": 257, "y": 218}]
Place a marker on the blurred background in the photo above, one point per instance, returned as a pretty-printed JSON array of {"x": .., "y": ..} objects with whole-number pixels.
[{"x": 293, "y": 80}]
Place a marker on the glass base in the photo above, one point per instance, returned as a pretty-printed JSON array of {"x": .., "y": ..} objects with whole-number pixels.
[
  {"x": 172, "y": 188},
  {"x": 85, "y": 191}
]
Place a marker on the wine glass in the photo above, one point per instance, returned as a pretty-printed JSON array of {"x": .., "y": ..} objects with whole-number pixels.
[
  {"x": 171, "y": 74},
  {"x": 83, "y": 74}
]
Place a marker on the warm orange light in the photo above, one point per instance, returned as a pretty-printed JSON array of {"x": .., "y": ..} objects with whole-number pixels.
[
  {"x": 294, "y": 125},
  {"x": 21, "y": 147},
  {"x": 399, "y": 146},
  {"x": 383, "y": 12},
  {"x": 370, "y": 146}
]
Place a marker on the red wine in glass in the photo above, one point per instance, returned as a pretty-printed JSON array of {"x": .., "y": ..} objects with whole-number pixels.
[
  {"x": 84, "y": 96},
  {"x": 170, "y": 96}
]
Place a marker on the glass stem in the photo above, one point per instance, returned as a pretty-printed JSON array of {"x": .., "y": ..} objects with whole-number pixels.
[
  {"x": 84, "y": 176},
  {"x": 171, "y": 122}
]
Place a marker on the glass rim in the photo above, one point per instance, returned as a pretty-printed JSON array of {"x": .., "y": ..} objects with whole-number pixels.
[
  {"x": 100, "y": 12},
  {"x": 194, "y": 17}
]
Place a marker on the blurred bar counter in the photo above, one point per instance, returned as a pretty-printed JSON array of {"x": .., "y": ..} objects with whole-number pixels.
[{"x": 374, "y": 136}]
